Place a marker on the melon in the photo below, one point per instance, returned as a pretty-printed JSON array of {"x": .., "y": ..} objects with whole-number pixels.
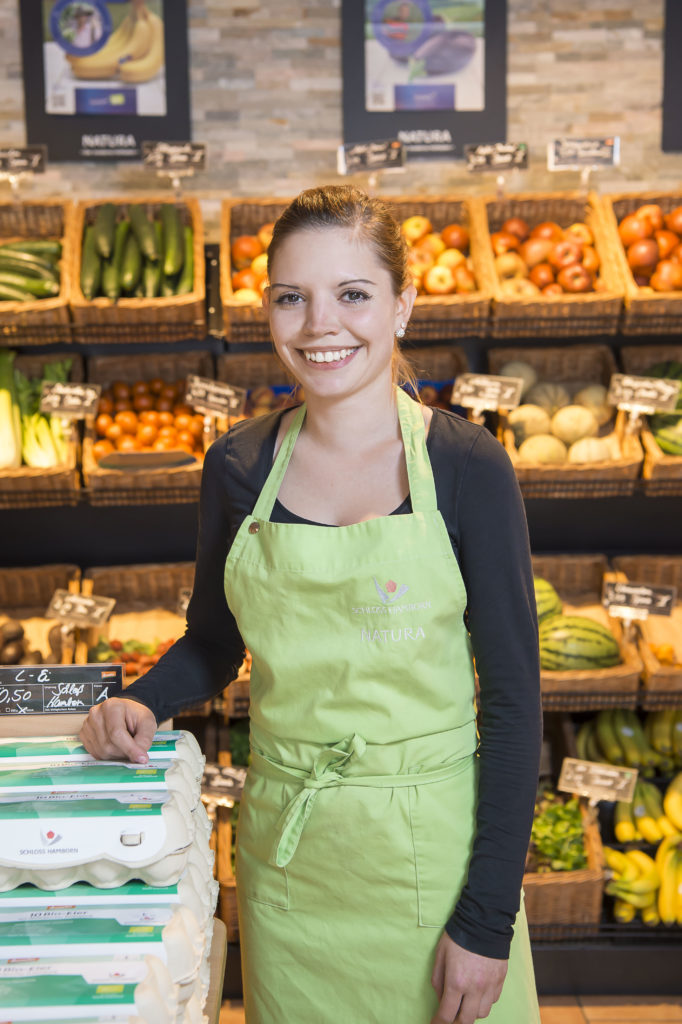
[
  {"x": 517, "y": 368},
  {"x": 590, "y": 449},
  {"x": 570, "y": 642},
  {"x": 670, "y": 369},
  {"x": 527, "y": 420},
  {"x": 547, "y": 600},
  {"x": 593, "y": 397},
  {"x": 549, "y": 396},
  {"x": 573, "y": 422},
  {"x": 667, "y": 432},
  {"x": 544, "y": 448}
]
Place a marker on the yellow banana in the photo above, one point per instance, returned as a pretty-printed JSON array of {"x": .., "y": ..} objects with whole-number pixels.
[
  {"x": 644, "y": 821},
  {"x": 667, "y": 843},
  {"x": 623, "y": 868},
  {"x": 677, "y": 863},
  {"x": 659, "y": 730},
  {"x": 144, "y": 68},
  {"x": 608, "y": 738},
  {"x": 141, "y": 38},
  {"x": 677, "y": 735},
  {"x": 672, "y": 802},
  {"x": 648, "y": 878},
  {"x": 104, "y": 63},
  {"x": 650, "y": 915},
  {"x": 667, "y": 895},
  {"x": 624, "y": 825},
  {"x": 637, "y": 899},
  {"x": 623, "y": 912}
]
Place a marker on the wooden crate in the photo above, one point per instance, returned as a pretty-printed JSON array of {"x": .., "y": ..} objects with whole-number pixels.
[
  {"x": 661, "y": 473},
  {"x": 25, "y": 594}
]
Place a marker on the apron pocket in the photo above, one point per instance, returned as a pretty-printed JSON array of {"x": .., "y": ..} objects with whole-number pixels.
[
  {"x": 442, "y": 820},
  {"x": 257, "y": 879}
]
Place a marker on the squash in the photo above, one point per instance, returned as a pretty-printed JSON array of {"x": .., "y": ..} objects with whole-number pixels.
[
  {"x": 527, "y": 420},
  {"x": 549, "y": 396},
  {"x": 517, "y": 368},
  {"x": 593, "y": 397},
  {"x": 573, "y": 422},
  {"x": 590, "y": 449},
  {"x": 544, "y": 448}
]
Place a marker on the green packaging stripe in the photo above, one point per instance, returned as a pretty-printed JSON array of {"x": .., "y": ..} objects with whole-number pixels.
[
  {"x": 76, "y": 809},
  {"x": 66, "y": 746},
  {"x": 81, "y": 893},
  {"x": 75, "y": 931},
  {"x": 22, "y": 993},
  {"x": 79, "y": 776}
]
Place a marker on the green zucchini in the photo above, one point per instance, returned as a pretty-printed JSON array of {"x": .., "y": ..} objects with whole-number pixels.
[
  {"x": 44, "y": 247},
  {"x": 27, "y": 263},
  {"x": 10, "y": 294},
  {"x": 131, "y": 267},
  {"x": 91, "y": 265},
  {"x": 186, "y": 280},
  {"x": 143, "y": 229},
  {"x": 111, "y": 270},
  {"x": 173, "y": 237},
  {"x": 105, "y": 226},
  {"x": 34, "y": 285},
  {"x": 169, "y": 286},
  {"x": 152, "y": 273}
]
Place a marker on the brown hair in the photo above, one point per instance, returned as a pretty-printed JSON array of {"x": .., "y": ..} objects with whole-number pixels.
[{"x": 343, "y": 206}]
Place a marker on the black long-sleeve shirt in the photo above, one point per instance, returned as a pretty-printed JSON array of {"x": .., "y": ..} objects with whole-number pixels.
[{"x": 481, "y": 504}]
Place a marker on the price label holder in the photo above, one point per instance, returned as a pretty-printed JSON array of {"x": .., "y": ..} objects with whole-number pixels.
[
  {"x": 214, "y": 398},
  {"x": 57, "y": 689},
  {"x": 640, "y": 396},
  {"x": 370, "y": 158},
  {"x": 584, "y": 155},
  {"x": 597, "y": 781},
  {"x": 484, "y": 391},
  {"x": 636, "y": 601},
  {"x": 498, "y": 158},
  {"x": 70, "y": 401},
  {"x": 184, "y": 594},
  {"x": 174, "y": 160},
  {"x": 222, "y": 785},
  {"x": 18, "y": 162},
  {"x": 80, "y": 609}
]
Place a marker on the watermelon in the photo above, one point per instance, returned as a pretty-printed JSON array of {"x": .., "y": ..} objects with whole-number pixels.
[
  {"x": 670, "y": 369},
  {"x": 667, "y": 432},
  {"x": 569, "y": 642},
  {"x": 546, "y": 598}
]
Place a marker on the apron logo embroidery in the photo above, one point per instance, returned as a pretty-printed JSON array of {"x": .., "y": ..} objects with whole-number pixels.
[
  {"x": 392, "y": 591},
  {"x": 403, "y": 633}
]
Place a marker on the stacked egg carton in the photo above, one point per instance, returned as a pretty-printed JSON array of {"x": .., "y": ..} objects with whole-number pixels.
[{"x": 106, "y": 883}]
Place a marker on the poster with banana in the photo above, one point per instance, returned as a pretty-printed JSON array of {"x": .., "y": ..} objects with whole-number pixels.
[{"x": 104, "y": 58}]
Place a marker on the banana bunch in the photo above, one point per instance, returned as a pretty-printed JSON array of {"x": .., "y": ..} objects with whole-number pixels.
[
  {"x": 617, "y": 736},
  {"x": 634, "y": 886},
  {"x": 663, "y": 730},
  {"x": 134, "y": 52},
  {"x": 646, "y": 818},
  {"x": 669, "y": 865}
]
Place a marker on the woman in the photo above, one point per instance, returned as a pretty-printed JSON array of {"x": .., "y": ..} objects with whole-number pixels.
[{"x": 381, "y": 846}]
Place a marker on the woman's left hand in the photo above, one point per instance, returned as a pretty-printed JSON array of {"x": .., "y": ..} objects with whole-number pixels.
[{"x": 466, "y": 984}]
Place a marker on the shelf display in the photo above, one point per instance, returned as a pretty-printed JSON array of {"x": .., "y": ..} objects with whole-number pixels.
[
  {"x": 24, "y": 597},
  {"x": 662, "y": 470}
]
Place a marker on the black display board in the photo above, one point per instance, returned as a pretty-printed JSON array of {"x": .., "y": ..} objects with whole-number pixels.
[
  {"x": 672, "y": 78},
  {"x": 87, "y": 96},
  {"x": 427, "y": 72}
]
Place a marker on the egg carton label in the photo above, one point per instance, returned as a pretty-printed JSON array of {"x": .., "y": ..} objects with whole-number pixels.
[{"x": 132, "y": 916}]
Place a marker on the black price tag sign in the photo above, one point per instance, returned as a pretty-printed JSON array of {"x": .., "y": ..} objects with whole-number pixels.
[
  {"x": 222, "y": 783},
  {"x": 74, "y": 401},
  {"x": 637, "y": 600},
  {"x": 57, "y": 689},
  {"x": 370, "y": 156},
  {"x": 597, "y": 781},
  {"x": 485, "y": 391},
  {"x": 213, "y": 396},
  {"x": 80, "y": 609},
  {"x": 643, "y": 394},
  {"x": 20, "y": 159},
  {"x": 184, "y": 594},
  {"x": 496, "y": 156},
  {"x": 174, "y": 157},
  {"x": 583, "y": 154}
]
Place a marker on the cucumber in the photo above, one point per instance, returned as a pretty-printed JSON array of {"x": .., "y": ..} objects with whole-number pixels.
[
  {"x": 34, "y": 285},
  {"x": 27, "y": 263},
  {"x": 186, "y": 281},
  {"x": 105, "y": 226},
  {"x": 152, "y": 273},
  {"x": 131, "y": 267},
  {"x": 10, "y": 294},
  {"x": 169, "y": 286},
  {"x": 173, "y": 238},
  {"x": 111, "y": 271},
  {"x": 91, "y": 265},
  {"x": 143, "y": 229},
  {"x": 44, "y": 247}
]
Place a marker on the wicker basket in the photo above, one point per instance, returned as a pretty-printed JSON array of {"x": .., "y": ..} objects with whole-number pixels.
[
  {"x": 25, "y": 594},
  {"x": 644, "y": 312},
  {"x": 176, "y": 318},
  {"x": 662, "y": 683},
  {"x": 434, "y": 318},
  {"x": 560, "y": 316},
  {"x": 662, "y": 474},
  {"x": 153, "y": 486},
  {"x": 44, "y": 321},
  {"x": 577, "y": 365},
  {"x": 25, "y": 487},
  {"x": 578, "y": 580}
]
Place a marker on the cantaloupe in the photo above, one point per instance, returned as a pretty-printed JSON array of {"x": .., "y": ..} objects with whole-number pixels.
[
  {"x": 593, "y": 397},
  {"x": 544, "y": 448},
  {"x": 573, "y": 422},
  {"x": 590, "y": 449},
  {"x": 527, "y": 420}
]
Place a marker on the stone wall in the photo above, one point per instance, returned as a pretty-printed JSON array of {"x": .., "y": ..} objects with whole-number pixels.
[{"x": 266, "y": 98}]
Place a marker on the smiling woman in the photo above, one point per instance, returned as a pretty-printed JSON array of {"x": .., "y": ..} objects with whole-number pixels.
[{"x": 354, "y": 545}]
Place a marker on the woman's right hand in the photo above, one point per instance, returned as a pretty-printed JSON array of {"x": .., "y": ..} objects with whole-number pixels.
[{"x": 119, "y": 729}]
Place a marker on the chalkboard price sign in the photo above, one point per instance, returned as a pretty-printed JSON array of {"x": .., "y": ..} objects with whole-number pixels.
[
  {"x": 597, "y": 781},
  {"x": 80, "y": 609},
  {"x": 370, "y": 156},
  {"x": 57, "y": 689},
  {"x": 174, "y": 157},
  {"x": 485, "y": 391},
  {"x": 213, "y": 396},
  {"x": 497, "y": 156},
  {"x": 73, "y": 401},
  {"x": 643, "y": 394},
  {"x": 222, "y": 784},
  {"x": 23, "y": 159},
  {"x": 583, "y": 154},
  {"x": 637, "y": 600}
]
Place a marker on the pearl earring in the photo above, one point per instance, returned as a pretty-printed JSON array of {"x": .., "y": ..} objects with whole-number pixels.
[{"x": 400, "y": 333}]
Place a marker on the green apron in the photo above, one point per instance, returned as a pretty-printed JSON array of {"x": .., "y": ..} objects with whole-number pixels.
[{"x": 358, "y": 814}]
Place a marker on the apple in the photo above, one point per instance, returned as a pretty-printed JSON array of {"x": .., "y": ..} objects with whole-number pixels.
[
  {"x": 244, "y": 249},
  {"x": 667, "y": 277},
  {"x": 431, "y": 243},
  {"x": 643, "y": 253},
  {"x": 503, "y": 241},
  {"x": 542, "y": 274},
  {"x": 455, "y": 236},
  {"x": 632, "y": 228},
  {"x": 451, "y": 258},
  {"x": 265, "y": 234},
  {"x": 565, "y": 253},
  {"x": 419, "y": 260},
  {"x": 666, "y": 241},
  {"x": 246, "y": 278},
  {"x": 548, "y": 229},
  {"x": 510, "y": 264},
  {"x": 535, "y": 250},
  {"x": 465, "y": 282},
  {"x": 575, "y": 278},
  {"x": 247, "y": 295},
  {"x": 414, "y": 228},
  {"x": 653, "y": 212},
  {"x": 590, "y": 260},
  {"x": 439, "y": 280},
  {"x": 553, "y": 289},
  {"x": 516, "y": 226},
  {"x": 519, "y": 287},
  {"x": 676, "y": 254},
  {"x": 642, "y": 280},
  {"x": 673, "y": 220},
  {"x": 580, "y": 233}
]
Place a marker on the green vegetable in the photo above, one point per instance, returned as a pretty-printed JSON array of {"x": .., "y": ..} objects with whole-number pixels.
[
  {"x": 174, "y": 242},
  {"x": 104, "y": 226},
  {"x": 91, "y": 265},
  {"x": 131, "y": 267},
  {"x": 43, "y": 438},
  {"x": 186, "y": 280},
  {"x": 10, "y": 423},
  {"x": 557, "y": 837},
  {"x": 111, "y": 270},
  {"x": 144, "y": 232}
]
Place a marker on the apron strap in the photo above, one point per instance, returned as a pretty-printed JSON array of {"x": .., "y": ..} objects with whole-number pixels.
[{"x": 419, "y": 472}]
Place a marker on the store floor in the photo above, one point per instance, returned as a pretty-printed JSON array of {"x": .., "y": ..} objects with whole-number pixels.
[{"x": 567, "y": 1010}]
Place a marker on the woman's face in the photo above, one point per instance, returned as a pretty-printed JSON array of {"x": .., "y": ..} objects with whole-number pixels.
[{"x": 333, "y": 313}]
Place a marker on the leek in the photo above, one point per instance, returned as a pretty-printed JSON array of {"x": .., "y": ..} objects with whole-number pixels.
[
  {"x": 44, "y": 442},
  {"x": 10, "y": 424}
]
